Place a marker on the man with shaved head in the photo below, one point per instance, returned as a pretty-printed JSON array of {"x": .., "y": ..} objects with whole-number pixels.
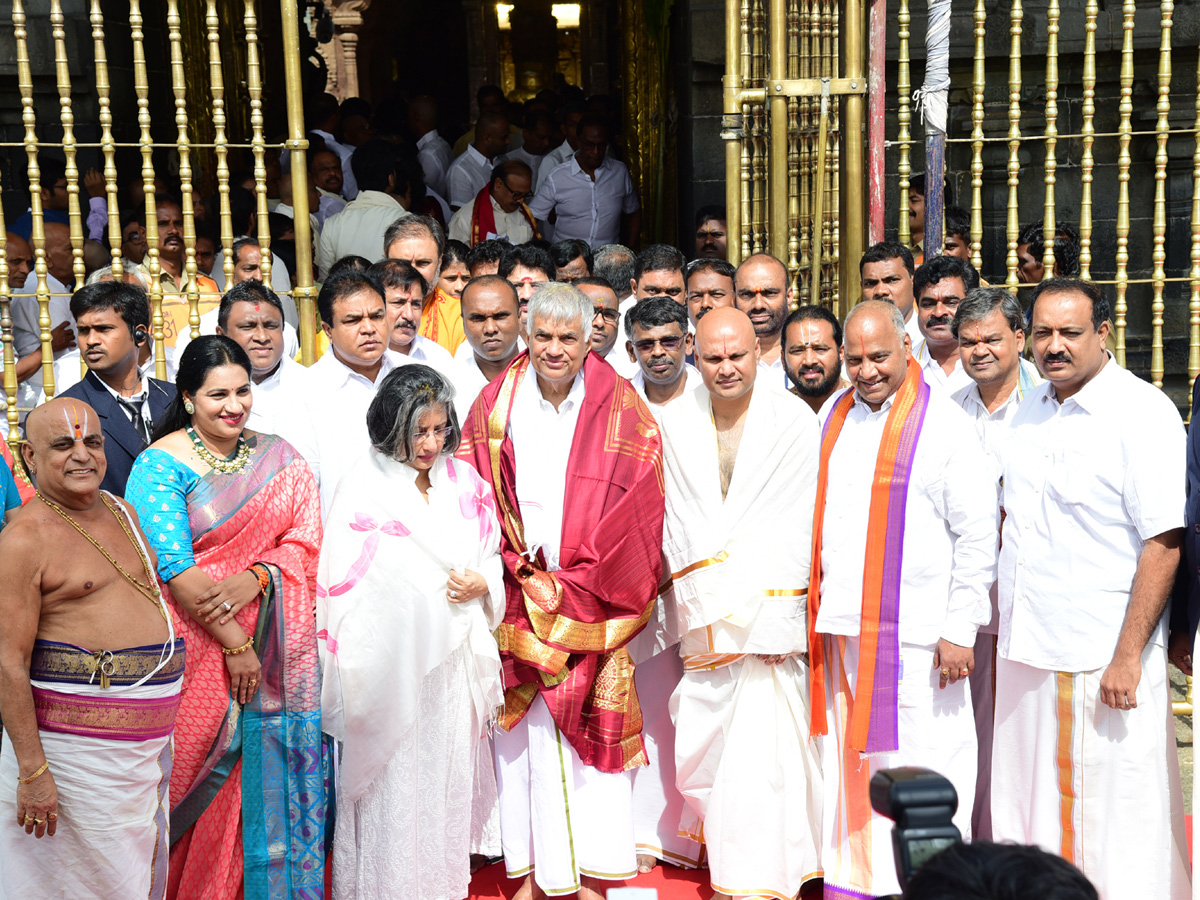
[
  {"x": 762, "y": 292},
  {"x": 473, "y": 168},
  {"x": 904, "y": 555},
  {"x": 90, "y": 673},
  {"x": 737, "y": 509},
  {"x": 491, "y": 315}
]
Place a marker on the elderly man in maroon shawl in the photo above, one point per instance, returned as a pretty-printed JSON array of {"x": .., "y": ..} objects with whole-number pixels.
[{"x": 575, "y": 459}]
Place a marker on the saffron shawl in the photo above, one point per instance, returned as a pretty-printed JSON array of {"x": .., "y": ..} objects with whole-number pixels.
[
  {"x": 441, "y": 321},
  {"x": 874, "y": 724},
  {"x": 564, "y": 633}
]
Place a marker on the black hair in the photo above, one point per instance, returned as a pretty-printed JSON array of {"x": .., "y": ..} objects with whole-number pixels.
[
  {"x": 415, "y": 226},
  {"x": 1101, "y": 310},
  {"x": 658, "y": 258},
  {"x": 986, "y": 871},
  {"x": 530, "y": 258},
  {"x": 595, "y": 281},
  {"x": 942, "y": 266},
  {"x": 958, "y": 223},
  {"x": 705, "y": 264},
  {"x": 814, "y": 314},
  {"x": 251, "y": 291},
  {"x": 128, "y": 301},
  {"x": 489, "y": 90},
  {"x": 885, "y": 250},
  {"x": 1066, "y": 250},
  {"x": 343, "y": 284},
  {"x": 351, "y": 263},
  {"x": 455, "y": 251},
  {"x": 242, "y": 206},
  {"x": 403, "y": 397},
  {"x": 355, "y": 106},
  {"x": 917, "y": 184},
  {"x": 510, "y": 167},
  {"x": 594, "y": 120},
  {"x": 51, "y": 168},
  {"x": 373, "y": 164},
  {"x": 320, "y": 108},
  {"x": 244, "y": 241},
  {"x": 396, "y": 273},
  {"x": 651, "y": 312},
  {"x": 201, "y": 356},
  {"x": 486, "y": 252},
  {"x": 567, "y": 250},
  {"x": 705, "y": 213},
  {"x": 484, "y": 281}
]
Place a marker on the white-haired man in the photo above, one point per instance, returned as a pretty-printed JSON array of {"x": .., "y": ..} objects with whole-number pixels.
[{"x": 581, "y": 579}]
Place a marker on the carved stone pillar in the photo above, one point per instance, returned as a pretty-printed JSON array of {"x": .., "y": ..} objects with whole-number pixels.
[{"x": 341, "y": 54}]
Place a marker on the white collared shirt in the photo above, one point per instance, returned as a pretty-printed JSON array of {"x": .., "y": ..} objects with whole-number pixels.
[
  {"x": 358, "y": 229},
  {"x": 994, "y": 427},
  {"x": 270, "y": 395},
  {"x": 324, "y": 416},
  {"x": 935, "y": 375},
  {"x": 510, "y": 226},
  {"x": 542, "y": 438},
  {"x": 533, "y": 161},
  {"x": 344, "y": 152},
  {"x": 467, "y": 176},
  {"x": 208, "y": 325},
  {"x": 692, "y": 380},
  {"x": 469, "y": 381},
  {"x": 586, "y": 209},
  {"x": 142, "y": 396},
  {"x": 950, "y": 527},
  {"x": 435, "y": 157},
  {"x": 551, "y": 161},
  {"x": 423, "y": 350},
  {"x": 912, "y": 327},
  {"x": 1086, "y": 483}
]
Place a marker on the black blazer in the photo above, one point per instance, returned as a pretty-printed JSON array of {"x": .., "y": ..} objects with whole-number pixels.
[
  {"x": 122, "y": 443},
  {"x": 1185, "y": 599}
]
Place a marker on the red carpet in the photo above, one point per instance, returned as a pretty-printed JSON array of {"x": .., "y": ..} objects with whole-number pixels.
[{"x": 671, "y": 883}]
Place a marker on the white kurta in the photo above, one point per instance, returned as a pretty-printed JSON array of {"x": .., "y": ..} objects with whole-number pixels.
[
  {"x": 510, "y": 226},
  {"x": 1086, "y": 483},
  {"x": 935, "y": 375},
  {"x": 407, "y": 775},
  {"x": 745, "y": 764}
]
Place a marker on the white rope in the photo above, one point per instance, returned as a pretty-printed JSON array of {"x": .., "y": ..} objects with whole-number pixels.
[{"x": 932, "y": 98}]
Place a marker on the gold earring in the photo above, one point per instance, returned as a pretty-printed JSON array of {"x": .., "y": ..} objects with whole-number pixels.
[{"x": 188, "y": 407}]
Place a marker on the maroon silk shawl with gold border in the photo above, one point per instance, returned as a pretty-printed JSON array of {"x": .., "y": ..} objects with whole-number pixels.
[{"x": 564, "y": 633}]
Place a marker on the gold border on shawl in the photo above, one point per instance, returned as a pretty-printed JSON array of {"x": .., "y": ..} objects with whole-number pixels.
[
  {"x": 497, "y": 430},
  {"x": 526, "y": 647},
  {"x": 73, "y": 666},
  {"x": 702, "y": 564},
  {"x": 585, "y": 637},
  {"x": 122, "y": 720},
  {"x": 517, "y": 701}
]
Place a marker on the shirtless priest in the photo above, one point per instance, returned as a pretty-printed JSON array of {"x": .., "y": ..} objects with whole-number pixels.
[
  {"x": 740, "y": 459},
  {"x": 90, "y": 672},
  {"x": 575, "y": 462}
]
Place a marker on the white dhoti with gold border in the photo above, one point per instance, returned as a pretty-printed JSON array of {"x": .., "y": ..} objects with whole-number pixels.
[{"x": 1096, "y": 785}]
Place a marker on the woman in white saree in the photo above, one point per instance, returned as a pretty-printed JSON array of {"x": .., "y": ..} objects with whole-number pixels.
[{"x": 409, "y": 589}]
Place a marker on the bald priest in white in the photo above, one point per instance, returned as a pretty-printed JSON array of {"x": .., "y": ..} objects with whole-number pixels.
[{"x": 740, "y": 463}]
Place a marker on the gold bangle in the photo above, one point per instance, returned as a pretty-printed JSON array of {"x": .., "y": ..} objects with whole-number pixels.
[
  {"x": 42, "y": 768},
  {"x": 237, "y": 650}
]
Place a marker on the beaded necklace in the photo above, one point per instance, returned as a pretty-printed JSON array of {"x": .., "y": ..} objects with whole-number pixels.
[{"x": 229, "y": 465}]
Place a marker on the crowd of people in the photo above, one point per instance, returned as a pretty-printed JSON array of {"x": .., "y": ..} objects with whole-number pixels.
[{"x": 590, "y": 559}]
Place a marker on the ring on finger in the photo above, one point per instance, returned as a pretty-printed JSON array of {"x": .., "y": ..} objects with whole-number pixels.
[
  {"x": 453, "y": 595},
  {"x": 964, "y": 672},
  {"x": 52, "y": 816},
  {"x": 228, "y": 608},
  {"x": 945, "y": 673}
]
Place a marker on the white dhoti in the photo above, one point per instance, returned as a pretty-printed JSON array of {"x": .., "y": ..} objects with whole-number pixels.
[
  {"x": 983, "y": 703},
  {"x": 1096, "y": 785},
  {"x": 109, "y": 750},
  {"x": 936, "y": 732},
  {"x": 559, "y": 818},
  {"x": 751, "y": 777}
]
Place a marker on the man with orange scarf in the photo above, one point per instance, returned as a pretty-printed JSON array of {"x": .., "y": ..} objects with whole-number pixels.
[
  {"x": 498, "y": 210},
  {"x": 904, "y": 555},
  {"x": 575, "y": 460}
]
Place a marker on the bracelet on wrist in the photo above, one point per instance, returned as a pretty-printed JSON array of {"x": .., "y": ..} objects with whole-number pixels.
[
  {"x": 39, "y": 771},
  {"x": 263, "y": 576},
  {"x": 236, "y": 651}
]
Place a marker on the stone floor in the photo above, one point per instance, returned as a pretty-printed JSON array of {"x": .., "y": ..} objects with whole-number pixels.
[{"x": 1183, "y": 737}]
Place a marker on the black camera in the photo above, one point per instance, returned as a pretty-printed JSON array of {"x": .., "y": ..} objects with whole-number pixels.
[{"x": 922, "y": 804}]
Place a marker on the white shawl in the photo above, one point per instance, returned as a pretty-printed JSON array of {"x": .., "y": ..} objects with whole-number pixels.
[
  {"x": 741, "y": 564},
  {"x": 383, "y": 619}
]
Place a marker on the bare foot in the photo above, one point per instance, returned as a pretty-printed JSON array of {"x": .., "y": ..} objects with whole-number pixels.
[
  {"x": 646, "y": 863},
  {"x": 591, "y": 889},
  {"x": 529, "y": 890}
]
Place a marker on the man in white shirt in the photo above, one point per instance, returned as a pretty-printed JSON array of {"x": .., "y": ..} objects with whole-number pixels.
[
  {"x": 591, "y": 196},
  {"x": 886, "y": 272},
  {"x": 660, "y": 343},
  {"x": 359, "y": 228},
  {"x": 247, "y": 266},
  {"x": 1084, "y": 762},
  {"x": 325, "y": 416},
  {"x": 904, "y": 555},
  {"x": 537, "y": 133},
  {"x": 252, "y": 314},
  {"x": 709, "y": 286},
  {"x": 492, "y": 325},
  {"x": 323, "y": 113},
  {"x": 740, "y": 463},
  {"x": 812, "y": 356},
  {"x": 657, "y": 272},
  {"x": 939, "y": 286},
  {"x": 525, "y": 267},
  {"x": 990, "y": 329},
  {"x": 404, "y": 291},
  {"x": 762, "y": 291},
  {"x": 606, "y": 318},
  {"x": 327, "y": 172},
  {"x": 432, "y": 150},
  {"x": 569, "y": 427},
  {"x": 569, "y": 117},
  {"x": 470, "y": 172},
  {"x": 506, "y": 217},
  {"x": 574, "y": 260}
]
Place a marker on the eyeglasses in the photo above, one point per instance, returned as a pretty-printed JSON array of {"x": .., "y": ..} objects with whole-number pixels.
[
  {"x": 517, "y": 195},
  {"x": 669, "y": 344},
  {"x": 135, "y": 237},
  {"x": 440, "y": 434},
  {"x": 611, "y": 316}
]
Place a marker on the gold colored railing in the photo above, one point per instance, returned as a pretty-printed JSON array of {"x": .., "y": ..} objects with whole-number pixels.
[{"x": 182, "y": 79}]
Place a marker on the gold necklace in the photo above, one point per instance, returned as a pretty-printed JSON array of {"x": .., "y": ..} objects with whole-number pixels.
[
  {"x": 228, "y": 466},
  {"x": 149, "y": 589}
]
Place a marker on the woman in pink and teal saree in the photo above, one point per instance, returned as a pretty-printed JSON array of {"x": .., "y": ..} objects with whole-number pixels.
[{"x": 234, "y": 517}]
